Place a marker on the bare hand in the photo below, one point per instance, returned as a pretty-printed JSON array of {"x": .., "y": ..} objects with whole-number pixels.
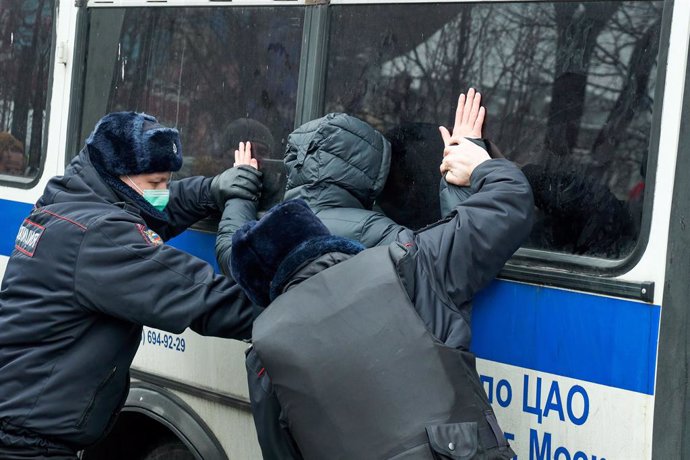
[
  {"x": 460, "y": 160},
  {"x": 243, "y": 156},
  {"x": 469, "y": 119}
]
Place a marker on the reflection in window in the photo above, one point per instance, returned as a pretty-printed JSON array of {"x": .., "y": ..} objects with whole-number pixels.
[
  {"x": 25, "y": 44},
  {"x": 568, "y": 87},
  {"x": 220, "y": 75}
]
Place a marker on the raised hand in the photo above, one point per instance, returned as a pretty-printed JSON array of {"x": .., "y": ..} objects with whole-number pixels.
[
  {"x": 243, "y": 156},
  {"x": 469, "y": 119},
  {"x": 459, "y": 161},
  {"x": 243, "y": 180}
]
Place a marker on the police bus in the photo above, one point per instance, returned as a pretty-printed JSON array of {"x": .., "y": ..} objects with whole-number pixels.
[{"x": 582, "y": 342}]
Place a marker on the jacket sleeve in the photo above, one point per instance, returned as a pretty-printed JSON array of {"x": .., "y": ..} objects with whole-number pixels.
[
  {"x": 451, "y": 195},
  {"x": 378, "y": 230},
  {"x": 461, "y": 254},
  {"x": 274, "y": 437},
  {"x": 190, "y": 201},
  {"x": 125, "y": 272},
  {"x": 237, "y": 212}
]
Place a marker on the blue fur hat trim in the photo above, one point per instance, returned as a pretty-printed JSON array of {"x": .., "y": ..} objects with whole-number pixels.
[
  {"x": 130, "y": 143},
  {"x": 259, "y": 248}
]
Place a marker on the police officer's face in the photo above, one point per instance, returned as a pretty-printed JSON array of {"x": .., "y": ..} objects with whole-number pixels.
[{"x": 152, "y": 181}]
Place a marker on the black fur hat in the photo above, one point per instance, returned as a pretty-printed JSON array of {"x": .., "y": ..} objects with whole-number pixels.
[
  {"x": 266, "y": 252},
  {"x": 130, "y": 143}
]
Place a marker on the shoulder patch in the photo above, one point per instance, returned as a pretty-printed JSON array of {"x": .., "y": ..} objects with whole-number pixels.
[
  {"x": 152, "y": 238},
  {"x": 28, "y": 237}
]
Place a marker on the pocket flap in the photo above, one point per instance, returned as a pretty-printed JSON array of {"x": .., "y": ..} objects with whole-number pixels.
[{"x": 457, "y": 441}]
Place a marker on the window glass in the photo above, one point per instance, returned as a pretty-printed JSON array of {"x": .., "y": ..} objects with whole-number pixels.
[
  {"x": 568, "y": 88},
  {"x": 220, "y": 75},
  {"x": 25, "y": 42}
]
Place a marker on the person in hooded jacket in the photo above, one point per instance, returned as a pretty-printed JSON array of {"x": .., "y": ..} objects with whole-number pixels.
[
  {"x": 365, "y": 353},
  {"x": 338, "y": 164},
  {"x": 441, "y": 268},
  {"x": 90, "y": 267}
]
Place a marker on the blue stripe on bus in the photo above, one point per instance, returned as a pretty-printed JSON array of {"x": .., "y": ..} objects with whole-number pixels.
[
  {"x": 586, "y": 337},
  {"x": 199, "y": 244},
  {"x": 13, "y": 214}
]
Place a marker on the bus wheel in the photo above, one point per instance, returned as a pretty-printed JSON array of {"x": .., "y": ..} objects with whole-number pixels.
[{"x": 172, "y": 450}]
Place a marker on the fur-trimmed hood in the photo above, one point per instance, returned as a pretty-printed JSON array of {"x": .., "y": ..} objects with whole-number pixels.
[{"x": 266, "y": 253}]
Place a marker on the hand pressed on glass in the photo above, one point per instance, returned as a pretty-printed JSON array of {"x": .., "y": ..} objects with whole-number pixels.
[
  {"x": 469, "y": 118},
  {"x": 243, "y": 156}
]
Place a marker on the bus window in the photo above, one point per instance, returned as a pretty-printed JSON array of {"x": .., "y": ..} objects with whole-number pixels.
[
  {"x": 220, "y": 75},
  {"x": 25, "y": 43},
  {"x": 569, "y": 91}
]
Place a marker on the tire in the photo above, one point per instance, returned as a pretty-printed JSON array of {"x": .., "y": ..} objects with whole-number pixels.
[{"x": 171, "y": 450}]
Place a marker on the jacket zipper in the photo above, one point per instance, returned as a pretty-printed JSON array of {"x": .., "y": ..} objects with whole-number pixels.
[{"x": 100, "y": 387}]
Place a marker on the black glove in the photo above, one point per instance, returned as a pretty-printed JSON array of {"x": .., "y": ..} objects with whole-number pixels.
[{"x": 238, "y": 182}]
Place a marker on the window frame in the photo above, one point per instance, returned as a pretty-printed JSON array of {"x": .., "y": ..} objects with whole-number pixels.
[
  {"x": 545, "y": 260},
  {"x": 74, "y": 143},
  {"x": 306, "y": 73},
  {"x": 25, "y": 183},
  {"x": 527, "y": 261},
  {"x": 527, "y": 264}
]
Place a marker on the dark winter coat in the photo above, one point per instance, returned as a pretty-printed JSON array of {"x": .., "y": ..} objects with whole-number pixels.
[
  {"x": 338, "y": 165},
  {"x": 334, "y": 359},
  {"x": 88, "y": 271},
  {"x": 444, "y": 266}
]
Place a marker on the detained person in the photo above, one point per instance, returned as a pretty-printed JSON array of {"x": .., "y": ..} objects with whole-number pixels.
[
  {"x": 90, "y": 267},
  {"x": 364, "y": 353},
  {"x": 339, "y": 164}
]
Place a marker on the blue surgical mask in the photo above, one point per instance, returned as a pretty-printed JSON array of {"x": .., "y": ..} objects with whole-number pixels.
[{"x": 157, "y": 198}]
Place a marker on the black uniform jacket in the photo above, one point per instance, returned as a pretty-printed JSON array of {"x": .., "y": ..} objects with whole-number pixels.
[{"x": 88, "y": 271}]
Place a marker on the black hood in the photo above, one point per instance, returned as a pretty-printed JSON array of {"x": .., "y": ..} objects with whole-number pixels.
[{"x": 336, "y": 153}]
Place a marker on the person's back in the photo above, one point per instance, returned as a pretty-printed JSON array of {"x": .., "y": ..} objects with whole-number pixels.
[
  {"x": 373, "y": 382},
  {"x": 304, "y": 355}
]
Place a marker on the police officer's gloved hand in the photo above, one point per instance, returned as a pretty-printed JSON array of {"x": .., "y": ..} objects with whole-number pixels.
[{"x": 238, "y": 182}]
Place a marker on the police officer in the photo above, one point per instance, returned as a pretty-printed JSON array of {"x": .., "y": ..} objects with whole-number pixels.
[
  {"x": 90, "y": 268},
  {"x": 365, "y": 353}
]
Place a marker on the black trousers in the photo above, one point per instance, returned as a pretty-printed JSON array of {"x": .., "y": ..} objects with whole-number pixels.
[
  {"x": 17, "y": 443},
  {"x": 35, "y": 453}
]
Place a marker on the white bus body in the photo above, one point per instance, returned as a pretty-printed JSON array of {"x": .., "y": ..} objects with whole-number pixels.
[{"x": 581, "y": 343}]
